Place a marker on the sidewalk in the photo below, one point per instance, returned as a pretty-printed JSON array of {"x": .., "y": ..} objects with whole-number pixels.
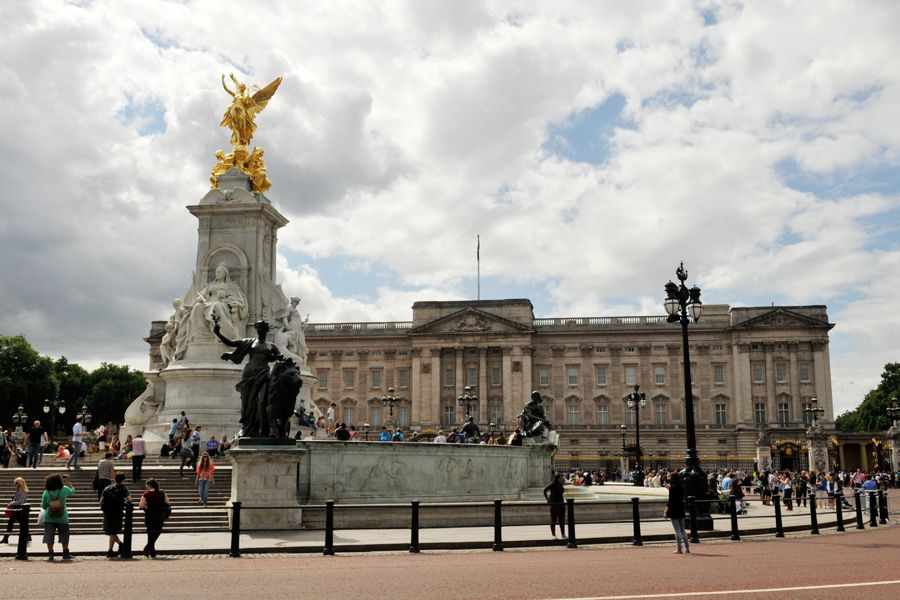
[{"x": 759, "y": 520}]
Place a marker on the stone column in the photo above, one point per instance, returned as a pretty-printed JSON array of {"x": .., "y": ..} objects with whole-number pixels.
[
  {"x": 817, "y": 442},
  {"x": 510, "y": 414},
  {"x": 763, "y": 450},
  {"x": 894, "y": 439},
  {"x": 417, "y": 396},
  {"x": 481, "y": 416}
]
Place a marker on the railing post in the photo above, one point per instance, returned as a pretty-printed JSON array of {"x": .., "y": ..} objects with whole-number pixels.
[
  {"x": 128, "y": 526},
  {"x": 235, "y": 530},
  {"x": 498, "y": 526},
  {"x": 692, "y": 510},
  {"x": 414, "y": 528},
  {"x": 882, "y": 509},
  {"x": 570, "y": 516},
  {"x": 779, "y": 526},
  {"x": 814, "y": 521},
  {"x": 22, "y": 547},
  {"x": 839, "y": 501},
  {"x": 859, "y": 519},
  {"x": 735, "y": 534},
  {"x": 329, "y": 528},
  {"x": 873, "y": 510},
  {"x": 636, "y": 521}
]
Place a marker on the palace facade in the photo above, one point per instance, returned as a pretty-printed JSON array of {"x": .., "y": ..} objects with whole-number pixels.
[{"x": 754, "y": 372}]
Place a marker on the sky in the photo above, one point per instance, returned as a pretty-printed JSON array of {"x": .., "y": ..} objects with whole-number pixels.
[{"x": 592, "y": 145}]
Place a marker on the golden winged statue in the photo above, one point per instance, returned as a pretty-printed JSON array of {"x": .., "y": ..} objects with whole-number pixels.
[{"x": 244, "y": 108}]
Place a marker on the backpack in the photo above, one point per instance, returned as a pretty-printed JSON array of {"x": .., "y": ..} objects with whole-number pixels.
[
  {"x": 114, "y": 498},
  {"x": 54, "y": 507},
  {"x": 453, "y": 438}
]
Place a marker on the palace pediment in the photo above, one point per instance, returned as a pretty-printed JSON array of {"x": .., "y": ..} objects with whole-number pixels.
[
  {"x": 781, "y": 318},
  {"x": 468, "y": 321}
]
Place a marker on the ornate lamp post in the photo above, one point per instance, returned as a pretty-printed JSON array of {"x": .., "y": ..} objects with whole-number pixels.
[
  {"x": 491, "y": 429},
  {"x": 366, "y": 426},
  {"x": 19, "y": 419},
  {"x": 636, "y": 401},
  {"x": 814, "y": 410},
  {"x": 52, "y": 406},
  {"x": 467, "y": 399},
  {"x": 683, "y": 305},
  {"x": 390, "y": 400},
  {"x": 84, "y": 413}
]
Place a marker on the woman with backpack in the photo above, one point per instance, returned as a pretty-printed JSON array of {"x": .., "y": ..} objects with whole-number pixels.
[{"x": 56, "y": 517}]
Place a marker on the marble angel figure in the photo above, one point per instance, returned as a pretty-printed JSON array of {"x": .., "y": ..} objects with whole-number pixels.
[{"x": 288, "y": 325}]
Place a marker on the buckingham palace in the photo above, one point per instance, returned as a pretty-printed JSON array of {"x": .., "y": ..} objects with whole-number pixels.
[{"x": 756, "y": 372}]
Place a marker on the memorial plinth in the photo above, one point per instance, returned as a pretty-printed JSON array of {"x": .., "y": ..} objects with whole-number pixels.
[{"x": 264, "y": 473}]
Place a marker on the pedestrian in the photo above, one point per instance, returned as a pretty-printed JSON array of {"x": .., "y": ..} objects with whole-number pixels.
[
  {"x": 553, "y": 494},
  {"x": 195, "y": 443},
  {"x": 675, "y": 512},
  {"x": 9, "y": 449},
  {"x": 172, "y": 429},
  {"x": 329, "y": 416},
  {"x": 398, "y": 435},
  {"x": 802, "y": 489},
  {"x": 102, "y": 432},
  {"x": 439, "y": 438},
  {"x": 106, "y": 473},
  {"x": 155, "y": 504},
  {"x": 385, "y": 436},
  {"x": 77, "y": 444},
  {"x": 56, "y": 516},
  {"x": 342, "y": 434},
  {"x": 138, "y": 452},
  {"x": 33, "y": 442},
  {"x": 787, "y": 490},
  {"x": 4, "y": 450},
  {"x": 212, "y": 446},
  {"x": 112, "y": 503},
  {"x": 204, "y": 478},
  {"x": 15, "y": 515},
  {"x": 354, "y": 436},
  {"x": 187, "y": 458}
]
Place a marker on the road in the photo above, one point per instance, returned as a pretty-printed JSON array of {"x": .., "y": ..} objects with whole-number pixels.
[{"x": 865, "y": 564}]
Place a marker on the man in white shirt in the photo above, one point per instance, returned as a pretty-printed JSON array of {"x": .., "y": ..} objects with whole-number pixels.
[
  {"x": 77, "y": 443},
  {"x": 329, "y": 416},
  {"x": 138, "y": 452},
  {"x": 440, "y": 439}
]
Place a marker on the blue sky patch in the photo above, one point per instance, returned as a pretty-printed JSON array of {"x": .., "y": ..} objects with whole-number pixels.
[
  {"x": 585, "y": 136},
  {"x": 149, "y": 117}
]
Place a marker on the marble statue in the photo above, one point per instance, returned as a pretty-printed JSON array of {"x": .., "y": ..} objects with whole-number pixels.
[
  {"x": 267, "y": 396},
  {"x": 243, "y": 110},
  {"x": 287, "y": 326},
  {"x": 221, "y": 297},
  {"x": 533, "y": 421},
  {"x": 143, "y": 408}
]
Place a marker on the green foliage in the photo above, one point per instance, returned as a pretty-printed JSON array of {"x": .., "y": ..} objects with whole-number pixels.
[
  {"x": 28, "y": 379},
  {"x": 871, "y": 414}
]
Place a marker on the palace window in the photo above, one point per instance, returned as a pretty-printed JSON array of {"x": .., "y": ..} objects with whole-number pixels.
[
  {"x": 659, "y": 375},
  {"x": 760, "y": 412},
  {"x": 497, "y": 413},
  {"x": 662, "y": 416},
  {"x": 628, "y": 349},
  {"x": 759, "y": 373},
  {"x": 472, "y": 376},
  {"x": 631, "y": 416},
  {"x": 659, "y": 348},
  {"x": 496, "y": 376},
  {"x": 719, "y": 374},
  {"x": 807, "y": 415},
  {"x": 721, "y": 418},
  {"x": 403, "y": 378},
  {"x": 323, "y": 379},
  {"x": 449, "y": 377},
  {"x": 402, "y": 416},
  {"x": 803, "y": 345},
  {"x": 805, "y": 373},
  {"x": 574, "y": 414},
  {"x": 572, "y": 375},
  {"x": 781, "y": 372},
  {"x": 376, "y": 378},
  {"x": 630, "y": 373},
  {"x": 375, "y": 416},
  {"x": 544, "y": 376},
  {"x": 348, "y": 415},
  {"x": 784, "y": 412},
  {"x": 448, "y": 418},
  {"x": 601, "y": 375},
  {"x": 349, "y": 379},
  {"x": 602, "y": 414},
  {"x": 717, "y": 348},
  {"x": 544, "y": 351},
  {"x": 600, "y": 350},
  {"x": 571, "y": 350}
]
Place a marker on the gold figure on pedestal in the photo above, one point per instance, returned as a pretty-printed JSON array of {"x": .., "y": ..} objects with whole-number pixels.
[{"x": 240, "y": 119}]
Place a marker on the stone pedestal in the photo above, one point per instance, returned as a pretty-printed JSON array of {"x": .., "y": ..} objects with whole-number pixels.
[
  {"x": 265, "y": 473},
  {"x": 763, "y": 450},
  {"x": 817, "y": 442},
  {"x": 894, "y": 439}
]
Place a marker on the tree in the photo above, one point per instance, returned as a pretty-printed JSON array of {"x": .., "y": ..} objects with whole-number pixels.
[
  {"x": 871, "y": 414},
  {"x": 112, "y": 389},
  {"x": 74, "y": 388},
  {"x": 26, "y": 378}
]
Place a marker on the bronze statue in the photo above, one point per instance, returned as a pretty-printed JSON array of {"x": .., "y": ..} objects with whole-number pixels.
[
  {"x": 471, "y": 429},
  {"x": 267, "y": 397},
  {"x": 533, "y": 421}
]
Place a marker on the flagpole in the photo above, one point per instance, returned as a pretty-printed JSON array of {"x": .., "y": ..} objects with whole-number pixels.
[{"x": 478, "y": 258}]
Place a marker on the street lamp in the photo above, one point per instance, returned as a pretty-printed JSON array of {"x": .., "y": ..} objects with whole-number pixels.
[
  {"x": 683, "y": 305},
  {"x": 814, "y": 410},
  {"x": 366, "y": 426},
  {"x": 624, "y": 429},
  {"x": 636, "y": 401},
  {"x": 52, "y": 406},
  {"x": 390, "y": 400},
  {"x": 84, "y": 413},
  {"x": 491, "y": 428},
  {"x": 893, "y": 410},
  {"x": 19, "y": 419},
  {"x": 467, "y": 399}
]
